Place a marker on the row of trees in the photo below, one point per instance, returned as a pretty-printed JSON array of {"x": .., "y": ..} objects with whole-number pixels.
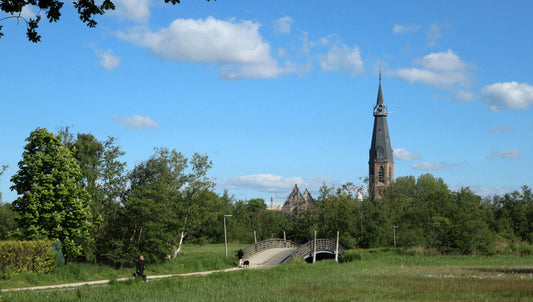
[
  {"x": 77, "y": 190},
  {"x": 413, "y": 212}
]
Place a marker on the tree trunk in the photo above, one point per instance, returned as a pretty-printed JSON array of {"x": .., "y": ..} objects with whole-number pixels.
[{"x": 178, "y": 250}]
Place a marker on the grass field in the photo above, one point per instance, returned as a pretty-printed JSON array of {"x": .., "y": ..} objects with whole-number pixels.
[
  {"x": 377, "y": 276},
  {"x": 192, "y": 259}
]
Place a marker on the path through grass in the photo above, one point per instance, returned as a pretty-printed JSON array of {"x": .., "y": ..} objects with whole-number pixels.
[{"x": 376, "y": 277}]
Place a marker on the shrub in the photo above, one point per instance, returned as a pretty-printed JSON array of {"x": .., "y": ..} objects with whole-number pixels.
[{"x": 26, "y": 256}]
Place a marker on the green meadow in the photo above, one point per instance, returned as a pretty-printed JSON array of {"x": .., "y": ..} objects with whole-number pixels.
[{"x": 370, "y": 276}]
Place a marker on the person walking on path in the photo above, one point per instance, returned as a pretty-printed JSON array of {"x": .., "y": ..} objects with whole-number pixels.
[
  {"x": 140, "y": 268},
  {"x": 240, "y": 255}
]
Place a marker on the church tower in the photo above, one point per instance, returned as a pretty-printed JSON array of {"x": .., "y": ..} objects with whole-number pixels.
[{"x": 381, "y": 162}]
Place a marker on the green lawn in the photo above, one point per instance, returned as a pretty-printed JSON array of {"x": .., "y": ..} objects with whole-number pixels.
[{"x": 379, "y": 276}]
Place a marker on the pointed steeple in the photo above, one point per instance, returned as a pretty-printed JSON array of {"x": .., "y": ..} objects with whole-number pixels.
[
  {"x": 380, "y": 108},
  {"x": 381, "y": 161}
]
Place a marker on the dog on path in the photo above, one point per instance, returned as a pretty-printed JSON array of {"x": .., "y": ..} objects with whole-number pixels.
[{"x": 246, "y": 263}]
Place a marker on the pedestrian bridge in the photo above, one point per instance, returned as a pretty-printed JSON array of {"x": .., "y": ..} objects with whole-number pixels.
[{"x": 272, "y": 252}]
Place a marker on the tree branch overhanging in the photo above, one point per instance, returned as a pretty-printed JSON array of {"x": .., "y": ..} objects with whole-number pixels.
[{"x": 87, "y": 11}]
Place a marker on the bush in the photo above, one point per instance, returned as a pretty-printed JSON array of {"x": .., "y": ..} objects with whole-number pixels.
[{"x": 26, "y": 256}]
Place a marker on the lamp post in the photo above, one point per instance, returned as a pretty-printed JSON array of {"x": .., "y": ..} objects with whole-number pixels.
[
  {"x": 225, "y": 236},
  {"x": 394, "y": 234}
]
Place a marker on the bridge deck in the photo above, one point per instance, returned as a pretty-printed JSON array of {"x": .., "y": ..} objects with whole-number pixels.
[
  {"x": 275, "y": 251},
  {"x": 270, "y": 257}
]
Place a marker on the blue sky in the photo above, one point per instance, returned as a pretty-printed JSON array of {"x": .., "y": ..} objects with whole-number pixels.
[{"x": 279, "y": 93}]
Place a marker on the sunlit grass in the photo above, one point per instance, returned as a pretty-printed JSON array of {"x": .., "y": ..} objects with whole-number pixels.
[
  {"x": 192, "y": 259},
  {"x": 379, "y": 276}
]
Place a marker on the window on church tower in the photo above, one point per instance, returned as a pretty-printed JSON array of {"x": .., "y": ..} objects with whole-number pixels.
[
  {"x": 381, "y": 175},
  {"x": 390, "y": 174}
]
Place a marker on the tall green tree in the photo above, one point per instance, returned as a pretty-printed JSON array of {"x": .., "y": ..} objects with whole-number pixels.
[
  {"x": 513, "y": 214},
  {"x": 251, "y": 216},
  {"x": 169, "y": 198},
  {"x": 51, "y": 203},
  {"x": 469, "y": 231},
  {"x": 103, "y": 176},
  {"x": 339, "y": 211},
  {"x": 428, "y": 214}
]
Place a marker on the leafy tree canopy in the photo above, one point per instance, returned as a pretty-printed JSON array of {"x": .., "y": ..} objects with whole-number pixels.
[
  {"x": 87, "y": 11},
  {"x": 52, "y": 203}
]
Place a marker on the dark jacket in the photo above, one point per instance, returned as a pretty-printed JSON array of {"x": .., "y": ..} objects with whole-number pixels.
[{"x": 140, "y": 266}]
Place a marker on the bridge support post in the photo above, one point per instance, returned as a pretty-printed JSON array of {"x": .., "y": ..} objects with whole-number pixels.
[
  {"x": 337, "y": 249},
  {"x": 314, "y": 249}
]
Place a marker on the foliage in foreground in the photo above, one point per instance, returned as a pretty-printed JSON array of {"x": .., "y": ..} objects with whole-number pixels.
[
  {"x": 387, "y": 277},
  {"x": 87, "y": 11}
]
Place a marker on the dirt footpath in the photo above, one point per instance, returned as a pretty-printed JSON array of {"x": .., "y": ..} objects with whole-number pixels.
[{"x": 103, "y": 282}]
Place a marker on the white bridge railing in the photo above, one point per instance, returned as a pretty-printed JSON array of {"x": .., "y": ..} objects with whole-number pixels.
[
  {"x": 268, "y": 244},
  {"x": 322, "y": 245},
  {"x": 306, "y": 250}
]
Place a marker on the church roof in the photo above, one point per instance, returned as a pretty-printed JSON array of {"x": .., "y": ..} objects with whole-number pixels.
[
  {"x": 297, "y": 202},
  {"x": 380, "y": 148}
]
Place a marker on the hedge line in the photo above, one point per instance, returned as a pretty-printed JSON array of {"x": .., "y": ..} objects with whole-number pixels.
[{"x": 25, "y": 256}]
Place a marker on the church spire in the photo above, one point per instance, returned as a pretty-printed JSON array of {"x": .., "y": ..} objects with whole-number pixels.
[
  {"x": 380, "y": 109},
  {"x": 381, "y": 162}
]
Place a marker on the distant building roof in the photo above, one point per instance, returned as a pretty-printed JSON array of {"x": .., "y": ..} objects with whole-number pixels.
[{"x": 296, "y": 202}]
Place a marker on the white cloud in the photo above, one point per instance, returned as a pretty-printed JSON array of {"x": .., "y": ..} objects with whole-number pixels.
[
  {"x": 263, "y": 182},
  {"x": 501, "y": 128},
  {"x": 404, "y": 29},
  {"x": 513, "y": 153},
  {"x": 135, "y": 122},
  {"x": 465, "y": 96},
  {"x": 283, "y": 25},
  {"x": 427, "y": 166},
  {"x": 306, "y": 47},
  {"x": 403, "y": 154},
  {"x": 136, "y": 10},
  {"x": 442, "y": 61},
  {"x": 511, "y": 95},
  {"x": 443, "y": 70},
  {"x": 236, "y": 48},
  {"x": 482, "y": 191},
  {"x": 282, "y": 52},
  {"x": 434, "y": 34},
  {"x": 108, "y": 60},
  {"x": 277, "y": 185},
  {"x": 490, "y": 191},
  {"x": 26, "y": 12},
  {"x": 340, "y": 57}
]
